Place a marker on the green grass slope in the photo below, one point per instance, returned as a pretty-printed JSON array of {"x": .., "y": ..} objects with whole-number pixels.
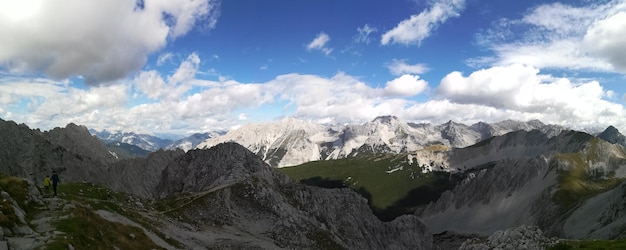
[{"x": 392, "y": 185}]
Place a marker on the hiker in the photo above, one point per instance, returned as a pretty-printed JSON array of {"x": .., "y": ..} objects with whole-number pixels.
[
  {"x": 46, "y": 184},
  {"x": 55, "y": 182}
]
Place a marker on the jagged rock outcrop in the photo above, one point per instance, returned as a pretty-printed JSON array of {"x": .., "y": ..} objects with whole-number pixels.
[
  {"x": 33, "y": 154},
  {"x": 234, "y": 188},
  {"x": 78, "y": 140},
  {"x": 139, "y": 176},
  {"x": 612, "y": 135},
  {"x": 16, "y": 193},
  {"x": 522, "y": 237},
  {"x": 460, "y": 135}
]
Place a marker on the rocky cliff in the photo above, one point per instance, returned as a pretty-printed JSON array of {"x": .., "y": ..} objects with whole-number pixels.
[
  {"x": 33, "y": 154},
  {"x": 526, "y": 178},
  {"x": 235, "y": 189}
]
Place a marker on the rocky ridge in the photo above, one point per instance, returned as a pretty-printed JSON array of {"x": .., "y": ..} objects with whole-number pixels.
[
  {"x": 33, "y": 154},
  {"x": 526, "y": 178},
  {"x": 253, "y": 198}
]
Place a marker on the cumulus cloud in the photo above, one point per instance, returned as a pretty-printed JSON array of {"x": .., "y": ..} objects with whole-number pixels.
[
  {"x": 546, "y": 38},
  {"x": 607, "y": 39},
  {"x": 400, "y": 67},
  {"x": 418, "y": 27},
  {"x": 319, "y": 43},
  {"x": 99, "y": 41},
  {"x": 405, "y": 85},
  {"x": 36, "y": 102},
  {"x": 342, "y": 97},
  {"x": 491, "y": 94},
  {"x": 522, "y": 90},
  {"x": 152, "y": 84}
]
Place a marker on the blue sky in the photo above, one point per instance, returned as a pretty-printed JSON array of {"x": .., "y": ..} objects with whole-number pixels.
[{"x": 185, "y": 66}]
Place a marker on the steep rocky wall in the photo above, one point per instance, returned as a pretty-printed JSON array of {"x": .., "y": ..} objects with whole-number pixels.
[
  {"x": 30, "y": 154},
  {"x": 600, "y": 217},
  {"x": 507, "y": 194},
  {"x": 139, "y": 176}
]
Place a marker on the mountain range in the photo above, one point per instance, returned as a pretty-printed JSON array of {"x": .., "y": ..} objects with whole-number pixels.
[
  {"x": 131, "y": 144},
  {"x": 223, "y": 197},
  {"x": 569, "y": 184},
  {"x": 292, "y": 142}
]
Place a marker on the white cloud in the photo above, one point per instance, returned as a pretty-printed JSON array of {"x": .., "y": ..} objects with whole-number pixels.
[
  {"x": 418, "y": 27},
  {"x": 45, "y": 103},
  {"x": 400, "y": 67},
  {"x": 405, "y": 85},
  {"x": 492, "y": 94},
  {"x": 364, "y": 33},
  {"x": 319, "y": 43},
  {"x": 555, "y": 54},
  {"x": 523, "y": 91},
  {"x": 155, "y": 87},
  {"x": 100, "y": 41},
  {"x": 546, "y": 38},
  {"x": 607, "y": 40}
]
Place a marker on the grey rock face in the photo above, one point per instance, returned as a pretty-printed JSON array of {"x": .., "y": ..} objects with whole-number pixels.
[
  {"x": 138, "y": 176},
  {"x": 600, "y": 217},
  {"x": 522, "y": 237},
  {"x": 612, "y": 135},
  {"x": 346, "y": 215},
  {"x": 503, "y": 195},
  {"x": 521, "y": 178},
  {"x": 78, "y": 140},
  {"x": 234, "y": 188},
  {"x": 32, "y": 154}
]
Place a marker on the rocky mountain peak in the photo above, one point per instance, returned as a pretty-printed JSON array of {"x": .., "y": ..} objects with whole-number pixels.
[
  {"x": 222, "y": 164},
  {"x": 609, "y": 133},
  {"x": 387, "y": 119},
  {"x": 78, "y": 139},
  {"x": 612, "y": 135},
  {"x": 536, "y": 123}
]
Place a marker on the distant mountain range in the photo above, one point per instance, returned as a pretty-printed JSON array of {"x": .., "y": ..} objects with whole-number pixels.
[
  {"x": 130, "y": 144},
  {"x": 292, "y": 142}
]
